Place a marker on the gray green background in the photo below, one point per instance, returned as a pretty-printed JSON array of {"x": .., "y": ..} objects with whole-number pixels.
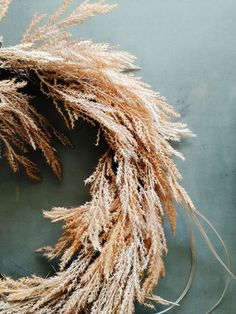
[{"x": 187, "y": 51}]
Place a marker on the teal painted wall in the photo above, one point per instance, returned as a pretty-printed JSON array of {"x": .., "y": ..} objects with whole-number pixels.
[{"x": 187, "y": 51}]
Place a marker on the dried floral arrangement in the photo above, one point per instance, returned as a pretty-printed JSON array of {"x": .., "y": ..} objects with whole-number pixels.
[{"x": 111, "y": 251}]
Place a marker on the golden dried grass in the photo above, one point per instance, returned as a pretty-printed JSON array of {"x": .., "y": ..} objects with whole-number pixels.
[{"x": 111, "y": 251}]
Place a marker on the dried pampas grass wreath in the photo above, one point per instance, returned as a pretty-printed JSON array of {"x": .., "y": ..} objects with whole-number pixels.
[{"x": 112, "y": 248}]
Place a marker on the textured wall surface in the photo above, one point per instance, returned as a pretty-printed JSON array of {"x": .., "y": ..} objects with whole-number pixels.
[{"x": 186, "y": 49}]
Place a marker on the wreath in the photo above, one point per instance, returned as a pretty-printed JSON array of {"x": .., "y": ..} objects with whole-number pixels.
[{"x": 111, "y": 251}]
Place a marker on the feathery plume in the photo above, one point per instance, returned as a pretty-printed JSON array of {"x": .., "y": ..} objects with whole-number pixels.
[{"x": 111, "y": 251}]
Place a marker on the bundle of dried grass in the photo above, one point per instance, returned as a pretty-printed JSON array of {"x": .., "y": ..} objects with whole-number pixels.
[
  {"x": 112, "y": 247},
  {"x": 22, "y": 126}
]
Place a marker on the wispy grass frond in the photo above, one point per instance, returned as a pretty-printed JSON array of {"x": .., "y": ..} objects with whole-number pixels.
[{"x": 112, "y": 247}]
